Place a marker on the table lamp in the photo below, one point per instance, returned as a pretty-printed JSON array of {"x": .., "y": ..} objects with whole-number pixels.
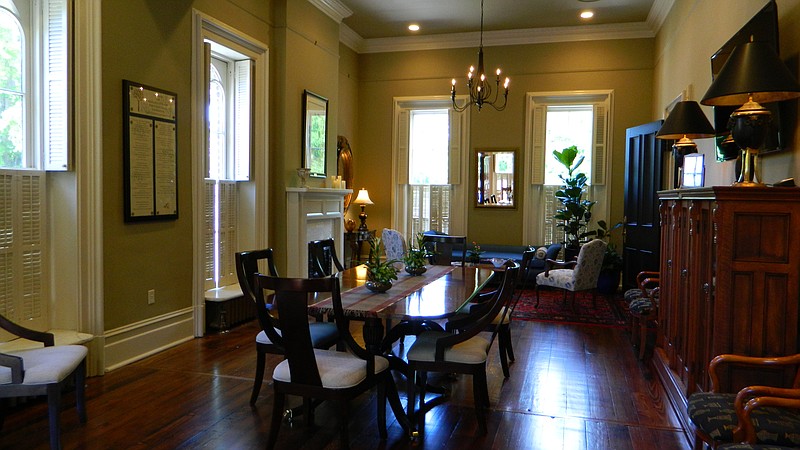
[
  {"x": 685, "y": 122},
  {"x": 753, "y": 73},
  {"x": 363, "y": 200}
]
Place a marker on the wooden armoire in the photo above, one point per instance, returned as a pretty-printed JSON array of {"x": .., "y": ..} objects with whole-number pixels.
[{"x": 730, "y": 283}]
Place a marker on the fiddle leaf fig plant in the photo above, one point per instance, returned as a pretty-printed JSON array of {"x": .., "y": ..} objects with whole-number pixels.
[{"x": 575, "y": 212}]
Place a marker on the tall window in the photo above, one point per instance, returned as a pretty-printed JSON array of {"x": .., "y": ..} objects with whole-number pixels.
[
  {"x": 34, "y": 126},
  {"x": 429, "y": 146},
  {"x": 557, "y": 121},
  {"x": 228, "y": 160}
]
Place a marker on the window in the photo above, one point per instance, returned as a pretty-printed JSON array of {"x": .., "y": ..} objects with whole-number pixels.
[
  {"x": 227, "y": 160},
  {"x": 430, "y": 143},
  {"x": 556, "y": 121},
  {"x": 34, "y": 124}
]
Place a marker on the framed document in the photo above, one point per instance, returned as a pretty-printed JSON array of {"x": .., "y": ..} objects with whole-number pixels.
[{"x": 150, "y": 150}]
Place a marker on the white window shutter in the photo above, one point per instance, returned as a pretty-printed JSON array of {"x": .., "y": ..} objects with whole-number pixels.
[
  {"x": 6, "y": 245},
  {"x": 228, "y": 224},
  {"x": 206, "y": 102},
  {"x": 403, "y": 125},
  {"x": 56, "y": 87},
  {"x": 599, "y": 138},
  {"x": 209, "y": 187},
  {"x": 454, "y": 173},
  {"x": 242, "y": 119},
  {"x": 536, "y": 164}
]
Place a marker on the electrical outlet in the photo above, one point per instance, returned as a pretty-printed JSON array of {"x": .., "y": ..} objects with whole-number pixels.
[{"x": 151, "y": 296}]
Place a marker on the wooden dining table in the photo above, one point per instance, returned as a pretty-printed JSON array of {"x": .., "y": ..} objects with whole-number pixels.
[{"x": 439, "y": 293}]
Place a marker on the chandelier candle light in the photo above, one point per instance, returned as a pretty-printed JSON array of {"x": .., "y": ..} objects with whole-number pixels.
[{"x": 480, "y": 90}]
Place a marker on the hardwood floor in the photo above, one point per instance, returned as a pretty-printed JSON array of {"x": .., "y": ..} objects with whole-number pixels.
[{"x": 572, "y": 387}]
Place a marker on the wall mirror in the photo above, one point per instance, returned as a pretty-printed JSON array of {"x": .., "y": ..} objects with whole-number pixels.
[
  {"x": 496, "y": 178},
  {"x": 315, "y": 129}
]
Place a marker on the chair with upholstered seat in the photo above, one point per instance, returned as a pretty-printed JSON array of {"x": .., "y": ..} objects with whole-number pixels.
[
  {"x": 463, "y": 352},
  {"x": 441, "y": 247},
  {"x": 393, "y": 244},
  {"x": 314, "y": 373},
  {"x": 44, "y": 371},
  {"x": 323, "y": 335},
  {"x": 322, "y": 258},
  {"x": 575, "y": 276},
  {"x": 761, "y": 415}
]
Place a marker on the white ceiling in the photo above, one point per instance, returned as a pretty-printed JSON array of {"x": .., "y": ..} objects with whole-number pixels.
[{"x": 372, "y": 19}]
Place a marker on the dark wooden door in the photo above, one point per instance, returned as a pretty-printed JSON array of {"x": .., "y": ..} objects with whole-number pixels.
[{"x": 644, "y": 156}]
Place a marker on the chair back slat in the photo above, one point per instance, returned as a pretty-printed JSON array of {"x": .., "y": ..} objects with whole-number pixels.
[
  {"x": 322, "y": 258},
  {"x": 247, "y": 265},
  {"x": 441, "y": 246}
]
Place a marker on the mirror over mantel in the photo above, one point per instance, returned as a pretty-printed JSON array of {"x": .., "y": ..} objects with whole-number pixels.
[{"x": 495, "y": 178}]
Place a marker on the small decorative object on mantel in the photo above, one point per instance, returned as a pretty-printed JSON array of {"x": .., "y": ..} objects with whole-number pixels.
[
  {"x": 415, "y": 257},
  {"x": 379, "y": 273},
  {"x": 349, "y": 225},
  {"x": 303, "y": 173}
]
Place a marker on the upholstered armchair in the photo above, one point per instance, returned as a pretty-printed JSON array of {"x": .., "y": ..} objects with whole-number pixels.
[
  {"x": 394, "y": 245},
  {"x": 574, "y": 276}
]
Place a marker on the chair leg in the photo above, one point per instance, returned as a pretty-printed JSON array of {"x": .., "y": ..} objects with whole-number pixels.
[
  {"x": 501, "y": 345},
  {"x": 344, "y": 418},
  {"x": 411, "y": 389},
  {"x": 537, "y": 296},
  {"x": 382, "y": 405},
  {"x": 422, "y": 379},
  {"x": 277, "y": 417},
  {"x": 642, "y": 337},
  {"x": 80, "y": 391},
  {"x": 480, "y": 392},
  {"x": 509, "y": 347},
  {"x": 54, "y": 413},
  {"x": 261, "y": 361},
  {"x": 308, "y": 410}
]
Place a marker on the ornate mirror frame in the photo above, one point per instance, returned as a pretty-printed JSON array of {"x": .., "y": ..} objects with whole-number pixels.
[
  {"x": 496, "y": 177},
  {"x": 344, "y": 167}
]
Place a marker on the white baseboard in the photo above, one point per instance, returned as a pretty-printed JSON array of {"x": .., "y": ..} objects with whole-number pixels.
[{"x": 139, "y": 340}]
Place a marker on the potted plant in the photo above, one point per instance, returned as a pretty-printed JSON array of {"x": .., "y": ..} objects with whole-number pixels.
[
  {"x": 474, "y": 255},
  {"x": 575, "y": 212},
  {"x": 415, "y": 256},
  {"x": 612, "y": 261},
  {"x": 379, "y": 273}
]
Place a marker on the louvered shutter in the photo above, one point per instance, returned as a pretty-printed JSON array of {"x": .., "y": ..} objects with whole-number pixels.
[
  {"x": 6, "y": 245},
  {"x": 209, "y": 186},
  {"x": 206, "y": 102},
  {"x": 228, "y": 224},
  {"x": 243, "y": 119},
  {"x": 454, "y": 144},
  {"x": 403, "y": 125},
  {"x": 599, "y": 137},
  {"x": 56, "y": 87},
  {"x": 537, "y": 163}
]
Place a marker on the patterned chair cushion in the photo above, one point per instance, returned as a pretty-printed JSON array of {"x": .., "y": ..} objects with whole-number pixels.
[
  {"x": 584, "y": 275},
  {"x": 632, "y": 294},
  {"x": 714, "y": 414},
  {"x": 394, "y": 245},
  {"x": 641, "y": 306}
]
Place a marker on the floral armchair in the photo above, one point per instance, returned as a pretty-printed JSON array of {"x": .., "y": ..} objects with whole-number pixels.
[{"x": 574, "y": 276}]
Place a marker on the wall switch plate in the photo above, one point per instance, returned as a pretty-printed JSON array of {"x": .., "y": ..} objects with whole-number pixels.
[{"x": 151, "y": 296}]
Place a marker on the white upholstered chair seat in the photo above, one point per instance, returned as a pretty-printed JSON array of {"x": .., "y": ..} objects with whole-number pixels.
[
  {"x": 471, "y": 351},
  {"x": 337, "y": 370},
  {"x": 562, "y": 278},
  {"x": 46, "y": 365}
]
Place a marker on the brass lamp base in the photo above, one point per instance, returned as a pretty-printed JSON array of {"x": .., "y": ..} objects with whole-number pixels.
[{"x": 750, "y": 175}]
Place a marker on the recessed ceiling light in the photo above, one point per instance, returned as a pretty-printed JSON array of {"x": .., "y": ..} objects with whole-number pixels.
[
  {"x": 413, "y": 27},
  {"x": 587, "y": 15}
]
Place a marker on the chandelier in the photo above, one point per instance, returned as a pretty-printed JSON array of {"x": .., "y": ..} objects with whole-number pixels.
[{"x": 480, "y": 89}]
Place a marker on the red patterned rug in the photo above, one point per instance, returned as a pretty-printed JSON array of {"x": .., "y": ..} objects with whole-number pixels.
[{"x": 609, "y": 310}]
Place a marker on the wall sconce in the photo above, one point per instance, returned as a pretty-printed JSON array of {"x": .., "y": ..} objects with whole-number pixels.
[
  {"x": 363, "y": 200},
  {"x": 754, "y": 73},
  {"x": 685, "y": 122}
]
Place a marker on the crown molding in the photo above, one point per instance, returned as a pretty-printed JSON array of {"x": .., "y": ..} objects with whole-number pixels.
[
  {"x": 334, "y": 9},
  {"x": 658, "y": 14},
  {"x": 350, "y": 38},
  {"x": 637, "y": 30}
]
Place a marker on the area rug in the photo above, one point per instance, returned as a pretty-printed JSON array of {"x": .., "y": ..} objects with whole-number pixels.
[{"x": 609, "y": 310}]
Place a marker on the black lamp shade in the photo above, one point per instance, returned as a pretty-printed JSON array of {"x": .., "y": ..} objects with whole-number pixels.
[
  {"x": 753, "y": 70},
  {"x": 686, "y": 119}
]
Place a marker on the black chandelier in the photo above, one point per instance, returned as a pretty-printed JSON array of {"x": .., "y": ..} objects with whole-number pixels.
[{"x": 480, "y": 90}]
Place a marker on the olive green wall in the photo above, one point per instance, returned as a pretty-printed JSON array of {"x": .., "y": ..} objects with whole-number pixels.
[
  {"x": 624, "y": 66},
  {"x": 693, "y": 31},
  {"x": 150, "y": 42}
]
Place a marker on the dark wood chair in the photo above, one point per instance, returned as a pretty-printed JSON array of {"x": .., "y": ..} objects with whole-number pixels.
[
  {"x": 441, "y": 247},
  {"x": 43, "y": 371},
  {"x": 322, "y": 258},
  {"x": 323, "y": 335},
  {"x": 762, "y": 415},
  {"x": 319, "y": 374},
  {"x": 464, "y": 352}
]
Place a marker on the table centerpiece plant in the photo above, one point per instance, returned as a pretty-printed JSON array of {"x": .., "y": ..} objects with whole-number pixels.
[
  {"x": 415, "y": 257},
  {"x": 380, "y": 273},
  {"x": 474, "y": 255}
]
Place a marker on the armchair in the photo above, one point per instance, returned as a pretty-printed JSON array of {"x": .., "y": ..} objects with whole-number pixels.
[
  {"x": 761, "y": 415},
  {"x": 44, "y": 371},
  {"x": 574, "y": 276}
]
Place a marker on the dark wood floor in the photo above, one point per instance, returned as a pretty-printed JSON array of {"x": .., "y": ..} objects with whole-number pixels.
[{"x": 572, "y": 387}]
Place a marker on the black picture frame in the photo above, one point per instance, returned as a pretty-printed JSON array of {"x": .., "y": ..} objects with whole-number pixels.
[{"x": 315, "y": 133}]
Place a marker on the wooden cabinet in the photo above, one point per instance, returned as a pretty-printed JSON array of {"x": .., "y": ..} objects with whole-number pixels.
[{"x": 730, "y": 283}]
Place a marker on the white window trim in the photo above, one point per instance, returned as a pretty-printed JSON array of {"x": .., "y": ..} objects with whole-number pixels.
[
  {"x": 206, "y": 27},
  {"x": 535, "y": 154},
  {"x": 459, "y": 146}
]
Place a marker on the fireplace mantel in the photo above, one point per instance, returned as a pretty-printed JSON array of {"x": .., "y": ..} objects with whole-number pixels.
[{"x": 311, "y": 214}]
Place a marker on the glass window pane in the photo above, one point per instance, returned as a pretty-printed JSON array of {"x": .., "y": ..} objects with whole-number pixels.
[
  {"x": 217, "y": 120},
  {"x": 429, "y": 147},
  {"x": 566, "y": 126},
  {"x": 11, "y": 52},
  {"x": 12, "y": 142}
]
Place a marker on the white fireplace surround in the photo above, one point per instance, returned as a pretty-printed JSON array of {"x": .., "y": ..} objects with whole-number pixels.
[{"x": 312, "y": 214}]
